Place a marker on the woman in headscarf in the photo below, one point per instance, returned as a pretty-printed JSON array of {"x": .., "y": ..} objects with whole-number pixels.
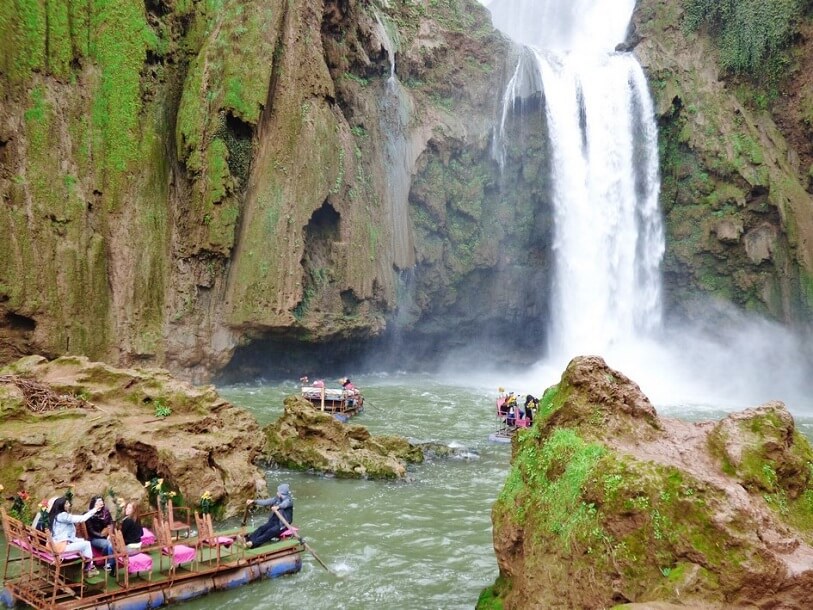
[
  {"x": 99, "y": 527},
  {"x": 274, "y": 526}
]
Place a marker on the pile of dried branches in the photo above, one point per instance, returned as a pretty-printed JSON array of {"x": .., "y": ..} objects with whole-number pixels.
[{"x": 39, "y": 398}]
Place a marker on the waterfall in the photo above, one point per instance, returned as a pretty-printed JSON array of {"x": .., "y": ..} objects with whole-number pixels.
[
  {"x": 608, "y": 234},
  {"x": 395, "y": 110},
  {"x": 608, "y": 241}
]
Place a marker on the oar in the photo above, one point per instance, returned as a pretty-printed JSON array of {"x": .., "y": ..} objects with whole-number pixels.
[
  {"x": 301, "y": 540},
  {"x": 245, "y": 515}
]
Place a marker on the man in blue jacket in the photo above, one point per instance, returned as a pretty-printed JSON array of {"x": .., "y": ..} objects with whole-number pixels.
[{"x": 274, "y": 526}]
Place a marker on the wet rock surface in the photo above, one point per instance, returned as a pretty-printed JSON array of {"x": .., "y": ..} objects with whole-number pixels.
[{"x": 305, "y": 438}]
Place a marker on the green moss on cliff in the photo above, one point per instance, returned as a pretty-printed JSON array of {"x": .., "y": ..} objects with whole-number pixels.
[
  {"x": 119, "y": 39},
  {"x": 753, "y": 35},
  {"x": 771, "y": 458},
  {"x": 597, "y": 510},
  {"x": 222, "y": 99}
]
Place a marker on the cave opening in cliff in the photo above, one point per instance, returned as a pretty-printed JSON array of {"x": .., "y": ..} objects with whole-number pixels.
[{"x": 20, "y": 323}]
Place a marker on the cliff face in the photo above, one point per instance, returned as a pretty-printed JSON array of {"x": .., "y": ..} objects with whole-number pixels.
[
  {"x": 736, "y": 154},
  {"x": 178, "y": 177}
]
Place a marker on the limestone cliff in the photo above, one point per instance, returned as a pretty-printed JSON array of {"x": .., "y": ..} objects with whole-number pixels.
[
  {"x": 607, "y": 503},
  {"x": 182, "y": 177},
  {"x": 736, "y": 153}
]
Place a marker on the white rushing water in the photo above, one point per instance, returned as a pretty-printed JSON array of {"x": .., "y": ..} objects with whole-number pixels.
[{"x": 608, "y": 234}]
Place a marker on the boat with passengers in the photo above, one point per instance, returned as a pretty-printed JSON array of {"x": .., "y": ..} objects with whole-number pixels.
[
  {"x": 343, "y": 402},
  {"x": 169, "y": 568},
  {"x": 510, "y": 417}
]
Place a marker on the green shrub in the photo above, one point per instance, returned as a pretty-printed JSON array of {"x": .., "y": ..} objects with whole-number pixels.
[{"x": 752, "y": 34}]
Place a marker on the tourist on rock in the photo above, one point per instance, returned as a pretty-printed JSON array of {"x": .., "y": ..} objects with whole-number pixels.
[
  {"x": 63, "y": 532},
  {"x": 99, "y": 527},
  {"x": 274, "y": 526}
]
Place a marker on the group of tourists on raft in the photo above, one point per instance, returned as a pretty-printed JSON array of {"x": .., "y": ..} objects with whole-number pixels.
[
  {"x": 57, "y": 518},
  {"x": 350, "y": 392},
  {"x": 512, "y": 414}
]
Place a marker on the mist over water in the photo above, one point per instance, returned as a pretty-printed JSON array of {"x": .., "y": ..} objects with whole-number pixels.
[{"x": 609, "y": 239}]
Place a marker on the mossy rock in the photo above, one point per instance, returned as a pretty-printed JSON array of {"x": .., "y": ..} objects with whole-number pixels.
[
  {"x": 607, "y": 503},
  {"x": 307, "y": 439}
]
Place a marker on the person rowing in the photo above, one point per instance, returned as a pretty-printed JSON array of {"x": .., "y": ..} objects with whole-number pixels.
[{"x": 272, "y": 528}]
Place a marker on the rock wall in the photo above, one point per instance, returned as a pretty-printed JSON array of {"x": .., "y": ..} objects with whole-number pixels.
[
  {"x": 99, "y": 429},
  {"x": 735, "y": 159},
  {"x": 180, "y": 178}
]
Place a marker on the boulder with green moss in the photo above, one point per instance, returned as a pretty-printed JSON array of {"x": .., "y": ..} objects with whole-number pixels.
[
  {"x": 71, "y": 422},
  {"x": 305, "y": 438},
  {"x": 607, "y": 503}
]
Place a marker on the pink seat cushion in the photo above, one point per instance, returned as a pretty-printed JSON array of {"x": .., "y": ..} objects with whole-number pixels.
[
  {"x": 21, "y": 544},
  {"x": 50, "y": 558},
  {"x": 293, "y": 531},
  {"x": 219, "y": 541},
  {"x": 180, "y": 553},
  {"x": 147, "y": 537},
  {"x": 140, "y": 562}
]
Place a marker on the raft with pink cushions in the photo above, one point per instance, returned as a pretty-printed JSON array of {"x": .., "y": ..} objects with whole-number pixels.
[{"x": 28, "y": 573}]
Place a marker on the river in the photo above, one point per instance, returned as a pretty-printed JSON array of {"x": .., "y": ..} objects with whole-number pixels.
[{"x": 420, "y": 543}]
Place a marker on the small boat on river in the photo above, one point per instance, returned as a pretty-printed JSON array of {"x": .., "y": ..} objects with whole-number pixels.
[
  {"x": 343, "y": 403},
  {"x": 172, "y": 570},
  {"x": 509, "y": 419}
]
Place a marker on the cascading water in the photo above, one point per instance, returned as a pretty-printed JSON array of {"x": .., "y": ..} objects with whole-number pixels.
[{"x": 608, "y": 234}]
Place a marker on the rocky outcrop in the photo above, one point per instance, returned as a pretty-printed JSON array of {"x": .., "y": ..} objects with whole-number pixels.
[
  {"x": 305, "y": 438},
  {"x": 735, "y": 159},
  {"x": 607, "y": 503},
  {"x": 118, "y": 435}
]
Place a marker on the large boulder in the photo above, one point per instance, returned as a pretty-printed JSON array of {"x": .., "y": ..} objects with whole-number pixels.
[
  {"x": 606, "y": 503},
  {"x": 75, "y": 423},
  {"x": 305, "y": 438}
]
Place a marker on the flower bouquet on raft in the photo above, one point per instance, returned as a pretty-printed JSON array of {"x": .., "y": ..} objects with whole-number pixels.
[
  {"x": 42, "y": 522},
  {"x": 19, "y": 506},
  {"x": 158, "y": 494},
  {"x": 206, "y": 503}
]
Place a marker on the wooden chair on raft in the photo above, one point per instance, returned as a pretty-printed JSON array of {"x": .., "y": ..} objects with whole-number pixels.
[
  {"x": 177, "y": 526},
  {"x": 53, "y": 565},
  {"x": 177, "y": 553},
  {"x": 129, "y": 564},
  {"x": 18, "y": 546},
  {"x": 209, "y": 541}
]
